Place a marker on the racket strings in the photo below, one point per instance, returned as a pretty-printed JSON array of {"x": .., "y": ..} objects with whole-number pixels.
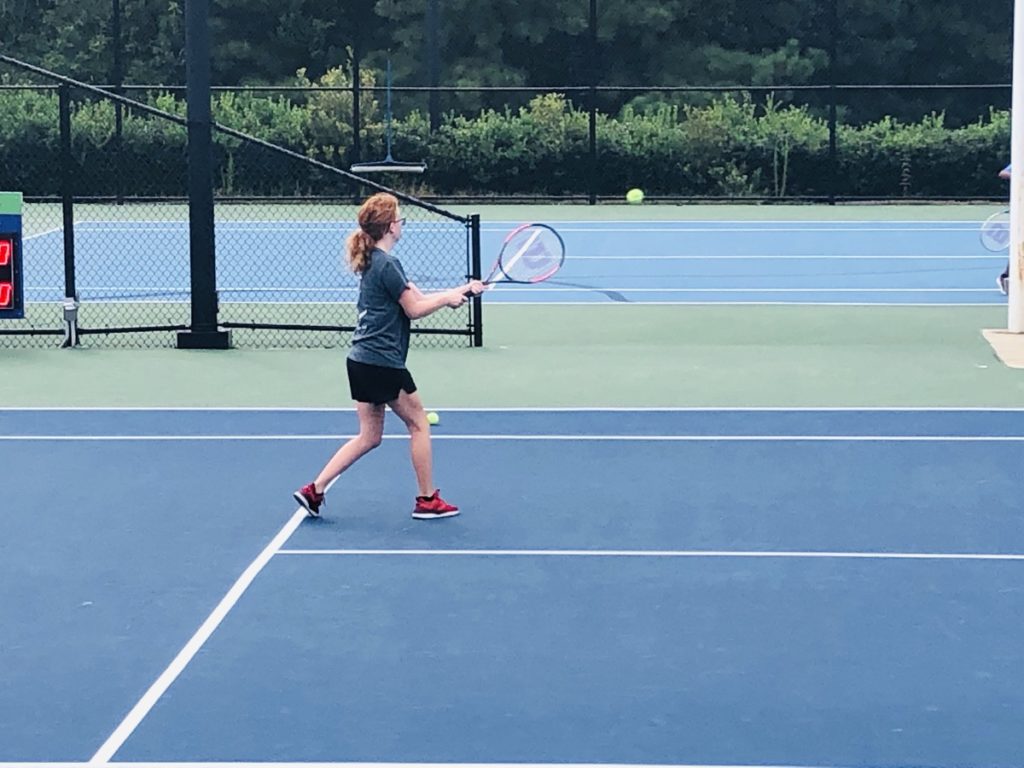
[
  {"x": 531, "y": 255},
  {"x": 995, "y": 232}
]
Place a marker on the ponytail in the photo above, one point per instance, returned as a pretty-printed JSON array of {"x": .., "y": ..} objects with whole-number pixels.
[
  {"x": 375, "y": 217},
  {"x": 358, "y": 248}
]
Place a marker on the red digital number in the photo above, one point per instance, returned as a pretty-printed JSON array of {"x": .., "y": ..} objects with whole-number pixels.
[
  {"x": 6, "y": 294},
  {"x": 6, "y": 251}
]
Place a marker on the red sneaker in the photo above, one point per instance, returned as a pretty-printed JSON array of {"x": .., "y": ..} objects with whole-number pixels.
[
  {"x": 433, "y": 507},
  {"x": 309, "y": 499}
]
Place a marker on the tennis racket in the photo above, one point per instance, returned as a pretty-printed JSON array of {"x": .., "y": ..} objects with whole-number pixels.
[
  {"x": 995, "y": 232},
  {"x": 531, "y": 253}
]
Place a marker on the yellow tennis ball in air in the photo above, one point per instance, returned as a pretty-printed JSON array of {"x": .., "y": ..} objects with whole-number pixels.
[
  {"x": 635, "y": 196},
  {"x": 433, "y": 418}
]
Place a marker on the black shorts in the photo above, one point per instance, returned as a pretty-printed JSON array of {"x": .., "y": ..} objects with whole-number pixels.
[{"x": 377, "y": 383}]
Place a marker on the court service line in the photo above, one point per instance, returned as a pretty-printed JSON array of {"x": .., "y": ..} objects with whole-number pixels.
[
  {"x": 157, "y": 689},
  {"x": 634, "y": 258},
  {"x": 536, "y": 437},
  {"x": 165, "y": 764},
  {"x": 498, "y": 224},
  {"x": 555, "y": 288},
  {"x": 153, "y": 291},
  {"x": 26, "y": 238},
  {"x": 751, "y": 303},
  {"x": 528, "y": 409},
  {"x": 688, "y": 553},
  {"x": 603, "y": 303},
  {"x": 255, "y": 228},
  {"x": 730, "y": 230}
]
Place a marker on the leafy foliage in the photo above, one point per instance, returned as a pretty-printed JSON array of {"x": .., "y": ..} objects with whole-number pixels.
[{"x": 732, "y": 146}]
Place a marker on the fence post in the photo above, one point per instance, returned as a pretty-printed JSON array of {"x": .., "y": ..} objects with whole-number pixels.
[
  {"x": 833, "y": 154},
  {"x": 477, "y": 301},
  {"x": 433, "y": 23},
  {"x": 833, "y": 159},
  {"x": 203, "y": 333},
  {"x": 594, "y": 171},
  {"x": 67, "y": 199},
  {"x": 118, "y": 80},
  {"x": 356, "y": 88}
]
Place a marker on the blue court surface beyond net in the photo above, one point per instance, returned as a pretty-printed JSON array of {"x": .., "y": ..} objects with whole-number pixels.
[
  {"x": 690, "y": 587},
  {"x": 803, "y": 262}
]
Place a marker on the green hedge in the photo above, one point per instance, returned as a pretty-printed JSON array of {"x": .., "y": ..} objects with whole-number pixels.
[{"x": 729, "y": 147}]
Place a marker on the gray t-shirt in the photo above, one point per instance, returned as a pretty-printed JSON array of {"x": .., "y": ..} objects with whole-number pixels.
[{"x": 382, "y": 327}]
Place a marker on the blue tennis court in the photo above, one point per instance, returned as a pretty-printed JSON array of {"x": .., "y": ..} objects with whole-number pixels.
[
  {"x": 791, "y": 262},
  {"x": 735, "y": 587}
]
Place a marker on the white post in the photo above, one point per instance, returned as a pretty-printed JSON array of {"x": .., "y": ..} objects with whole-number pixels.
[{"x": 1015, "y": 310}]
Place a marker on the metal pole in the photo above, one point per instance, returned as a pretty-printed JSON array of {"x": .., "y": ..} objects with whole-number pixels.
[
  {"x": 833, "y": 128},
  {"x": 356, "y": 149},
  {"x": 593, "y": 175},
  {"x": 204, "y": 333},
  {"x": 67, "y": 196},
  {"x": 477, "y": 301},
  {"x": 1015, "y": 308},
  {"x": 118, "y": 81},
  {"x": 434, "y": 62},
  {"x": 67, "y": 189}
]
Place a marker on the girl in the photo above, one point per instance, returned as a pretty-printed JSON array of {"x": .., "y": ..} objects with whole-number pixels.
[{"x": 377, "y": 374}]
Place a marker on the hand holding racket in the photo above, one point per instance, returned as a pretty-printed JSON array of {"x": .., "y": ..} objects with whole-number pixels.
[{"x": 531, "y": 253}]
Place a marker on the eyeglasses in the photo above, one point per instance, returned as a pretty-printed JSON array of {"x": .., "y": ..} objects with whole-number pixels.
[{"x": 399, "y": 221}]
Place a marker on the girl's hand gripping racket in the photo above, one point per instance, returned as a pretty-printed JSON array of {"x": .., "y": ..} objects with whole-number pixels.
[{"x": 531, "y": 253}]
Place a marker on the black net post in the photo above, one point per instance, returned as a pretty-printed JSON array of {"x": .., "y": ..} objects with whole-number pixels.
[
  {"x": 67, "y": 195},
  {"x": 67, "y": 198},
  {"x": 476, "y": 270},
  {"x": 204, "y": 333}
]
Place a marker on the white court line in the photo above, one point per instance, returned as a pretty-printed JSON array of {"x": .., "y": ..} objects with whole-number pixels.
[
  {"x": 537, "y": 409},
  {"x": 745, "y": 227},
  {"x": 812, "y": 222},
  {"x": 684, "y": 553},
  {"x": 538, "y": 437},
  {"x": 165, "y": 764},
  {"x": 604, "y": 303},
  {"x": 891, "y": 223},
  {"x": 26, "y": 238},
  {"x": 253, "y": 226},
  {"x": 178, "y": 289},
  {"x": 790, "y": 257},
  {"x": 181, "y": 228},
  {"x": 546, "y": 287},
  {"x": 149, "y": 699},
  {"x": 753, "y": 303},
  {"x": 549, "y": 288}
]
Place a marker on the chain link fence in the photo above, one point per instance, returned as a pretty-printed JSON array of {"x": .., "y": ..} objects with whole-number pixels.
[{"x": 107, "y": 243}]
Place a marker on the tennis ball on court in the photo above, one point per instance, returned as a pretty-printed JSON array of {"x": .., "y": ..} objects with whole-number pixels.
[
  {"x": 433, "y": 418},
  {"x": 635, "y": 196}
]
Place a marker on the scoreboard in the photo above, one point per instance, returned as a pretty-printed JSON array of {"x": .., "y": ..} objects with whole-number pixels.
[{"x": 12, "y": 299}]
